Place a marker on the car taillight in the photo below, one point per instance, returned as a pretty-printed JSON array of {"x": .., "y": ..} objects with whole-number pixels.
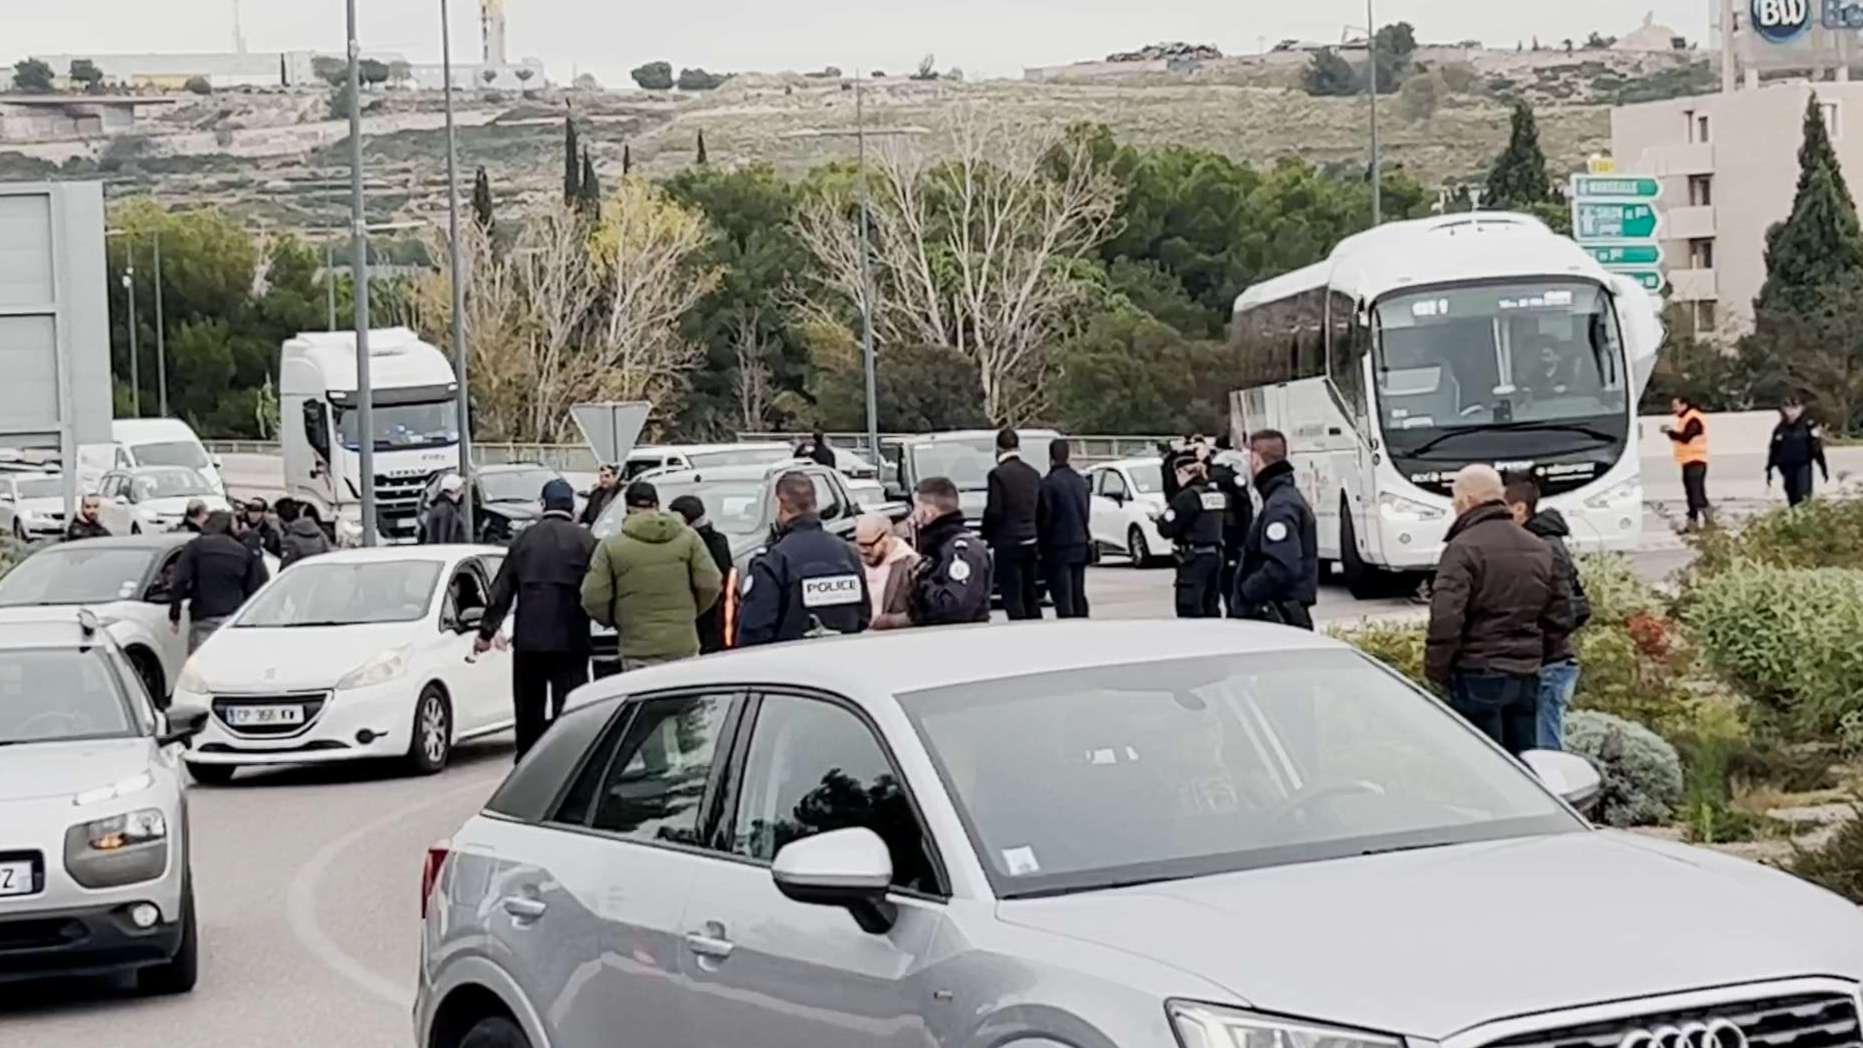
[{"x": 430, "y": 871}]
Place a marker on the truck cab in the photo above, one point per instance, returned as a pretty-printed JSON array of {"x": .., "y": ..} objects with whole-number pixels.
[{"x": 416, "y": 427}]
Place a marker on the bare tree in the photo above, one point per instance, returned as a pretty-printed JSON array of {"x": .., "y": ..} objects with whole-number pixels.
[
  {"x": 972, "y": 249},
  {"x": 753, "y": 381}
]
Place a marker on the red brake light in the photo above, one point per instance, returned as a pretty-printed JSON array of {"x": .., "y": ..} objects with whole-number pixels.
[{"x": 430, "y": 871}]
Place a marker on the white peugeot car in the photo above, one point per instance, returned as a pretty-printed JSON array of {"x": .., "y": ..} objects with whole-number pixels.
[
  {"x": 154, "y": 498},
  {"x": 1128, "y": 499},
  {"x": 355, "y": 654},
  {"x": 94, "y": 873}
]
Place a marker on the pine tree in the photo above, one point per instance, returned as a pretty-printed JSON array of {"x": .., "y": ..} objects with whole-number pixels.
[
  {"x": 702, "y": 157},
  {"x": 627, "y": 160},
  {"x": 589, "y": 193},
  {"x": 1820, "y": 243},
  {"x": 482, "y": 202},
  {"x": 1518, "y": 177},
  {"x": 572, "y": 175}
]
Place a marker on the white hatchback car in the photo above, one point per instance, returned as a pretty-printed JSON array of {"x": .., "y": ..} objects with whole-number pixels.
[
  {"x": 355, "y": 654},
  {"x": 1128, "y": 498},
  {"x": 154, "y": 498}
]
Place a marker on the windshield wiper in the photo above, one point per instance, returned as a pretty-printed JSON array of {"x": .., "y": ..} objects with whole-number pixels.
[
  {"x": 1406, "y": 848},
  {"x": 1511, "y": 427},
  {"x": 1049, "y": 893}
]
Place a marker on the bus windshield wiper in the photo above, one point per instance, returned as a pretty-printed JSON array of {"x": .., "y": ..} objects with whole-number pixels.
[{"x": 1510, "y": 427}]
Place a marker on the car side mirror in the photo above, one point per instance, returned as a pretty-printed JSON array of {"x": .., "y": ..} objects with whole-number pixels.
[
  {"x": 471, "y": 619},
  {"x": 218, "y": 463},
  {"x": 182, "y": 726},
  {"x": 1569, "y": 775},
  {"x": 848, "y": 868}
]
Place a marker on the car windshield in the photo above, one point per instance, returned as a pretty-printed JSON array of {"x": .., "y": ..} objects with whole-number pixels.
[
  {"x": 740, "y": 457},
  {"x": 966, "y": 463},
  {"x": 76, "y": 573},
  {"x": 735, "y": 507},
  {"x": 1475, "y": 355},
  {"x": 170, "y": 483},
  {"x": 345, "y": 593},
  {"x": 1111, "y": 775},
  {"x": 1149, "y": 480},
  {"x": 54, "y": 695},
  {"x": 401, "y": 425},
  {"x": 172, "y": 453},
  {"x": 41, "y": 488},
  {"x": 515, "y": 486}
]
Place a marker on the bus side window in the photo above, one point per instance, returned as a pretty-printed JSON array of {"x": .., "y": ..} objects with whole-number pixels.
[
  {"x": 1310, "y": 326},
  {"x": 1346, "y": 346}
]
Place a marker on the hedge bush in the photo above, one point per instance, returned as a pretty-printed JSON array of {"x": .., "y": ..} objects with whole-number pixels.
[
  {"x": 1839, "y": 864},
  {"x": 1789, "y": 638},
  {"x": 1632, "y": 656},
  {"x": 1397, "y": 646},
  {"x": 1642, "y": 773},
  {"x": 1822, "y": 533}
]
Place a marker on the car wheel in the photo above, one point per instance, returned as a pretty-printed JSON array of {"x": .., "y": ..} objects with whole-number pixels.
[
  {"x": 1361, "y": 579},
  {"x": 1137, "y": 549},
  {"x": 211, "y": 774},
  {"x": 178, "y": 974},
  {"x": 494, "y": 1032},
  {"x": 431, "y": 742}
]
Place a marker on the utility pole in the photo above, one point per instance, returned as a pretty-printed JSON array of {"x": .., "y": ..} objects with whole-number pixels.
[
  {"x": 866, "y": 278},
  {"x": 1371, "y": 62},
  {"x": 459, "y": 285},
  {"x": 329, "y": 283},
  {"x": 135, "y": 365},
  {"x": 359, "y": 268},
  {"x": 161, "y": 341}
]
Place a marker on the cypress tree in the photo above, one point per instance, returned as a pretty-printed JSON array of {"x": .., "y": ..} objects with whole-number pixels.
[
  {"x": 1816, "y": 150},
  {"x": 1818, "y": 246},
  {"x": 1518, "y": 177},
  {"x": 702, "y": 158},
  {"x": 589, "y": 193},
  {"x": 627, "y": 160},
  {"x": 572, "y": 175},
  {"x": 482, "y": 202}
]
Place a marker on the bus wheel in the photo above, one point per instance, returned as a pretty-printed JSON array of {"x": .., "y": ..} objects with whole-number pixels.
[{"x": 1361, "y": 579}]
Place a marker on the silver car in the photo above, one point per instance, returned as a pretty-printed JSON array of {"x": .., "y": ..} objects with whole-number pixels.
[
  {"x": 94, "y": 874},
  {"x": 1144, "y": 835}
]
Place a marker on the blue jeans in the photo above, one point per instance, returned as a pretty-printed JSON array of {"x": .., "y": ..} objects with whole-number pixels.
[
  {"x": 1558, "y": 683},
  {"x": 1502, "y": 706}
]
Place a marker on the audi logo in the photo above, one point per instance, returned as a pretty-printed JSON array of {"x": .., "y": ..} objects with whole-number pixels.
[{"x": 1718, "y": 1033}]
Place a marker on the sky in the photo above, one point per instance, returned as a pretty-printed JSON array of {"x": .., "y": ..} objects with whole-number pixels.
[{"x": 984, "y": 37}]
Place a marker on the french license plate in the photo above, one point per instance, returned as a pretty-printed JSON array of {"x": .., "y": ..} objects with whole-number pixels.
[
  {"x": 263, "y": 716},
  {"x": 16, "y": 878}
]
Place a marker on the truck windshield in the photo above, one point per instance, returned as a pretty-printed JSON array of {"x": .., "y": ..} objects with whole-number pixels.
[
  {"x": 172, "y": 453},
  {"x": 399, "y": 426}
]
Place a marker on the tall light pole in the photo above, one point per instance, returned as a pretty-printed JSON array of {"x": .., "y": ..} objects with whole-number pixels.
[
  {"x": 1377, "y": 175},
  {"x": 866, "y": 278},
  {"x": 135, "y": 366},
  {"x": 329, "y": 283},
  {"x": 459, "y": 285},
  {"x": 161, "y": 339},
  {"x": 359, "y": 269}
]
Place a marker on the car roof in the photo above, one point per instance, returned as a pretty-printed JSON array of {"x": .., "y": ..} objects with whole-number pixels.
[
  {"x": 151, "y": 540},
  {"x": 384, "y": 554},
  {"x": 972, "y": 434},
  {"x": 1129, "y": 463},
  {"x": 709, "y": 474},
  {"x": 649, "y": 450},
  {"x": 58, "y": 628},
  {"x": 129, "y": 430},
  {"x": 880, "y": 664}
]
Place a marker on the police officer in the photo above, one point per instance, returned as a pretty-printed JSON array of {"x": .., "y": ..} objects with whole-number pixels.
[
  {"x": 807, "y": 582},
  {"x": 954, "y": 579},
  {"x": 1194, "y": 521},
  {"x": 1229, "y": 474},
  {"x": 1280, "y": 573}
]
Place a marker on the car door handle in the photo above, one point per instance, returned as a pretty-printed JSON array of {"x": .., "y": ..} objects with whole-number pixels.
[
  {"x": 524, "y": 908},
  {"x": 714, "y": 946}
]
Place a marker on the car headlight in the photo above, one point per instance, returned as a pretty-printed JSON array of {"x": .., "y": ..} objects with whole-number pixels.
[
  {"x": 1630, "y": 491},
  {"x": 191, "y": 680},
  {"x": 1398, "y": 508},
  {"x": 134, "y": 784},
  {"x": 119, "y": 850},
  {"x": 123, "y": 831},
  {"x": 1213, "y": 1026},
  {"x": 380, "y": 669}
]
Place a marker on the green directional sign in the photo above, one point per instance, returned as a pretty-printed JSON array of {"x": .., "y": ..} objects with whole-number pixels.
[
  {"x": 1625, "y": 254},
  {"x": 1614, "y": 220},
  {"x": 1651, "y": 279},
  {"x": 1627, "y": 187}
]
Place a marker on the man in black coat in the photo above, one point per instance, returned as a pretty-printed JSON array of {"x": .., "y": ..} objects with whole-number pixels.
[
  {"x": 542, "y": 574},
  {"x": 86, "y": 525},
  {"x": 1229, "y": 474},
  {"x": 261, "y": 534},
  {"x": 953, "y": 581},
  {"x": 1797, "y": 444},
  {"x": 1009, "y": 527},
  {"x": 1061, "y": 530},
  {"x": 445, "y": 525},
  {"x": 607, "y": 486},
  {"x": 214, "y": 575},
  {"x": 711, "y": 620},
  {"x": 817, "y": 450}
]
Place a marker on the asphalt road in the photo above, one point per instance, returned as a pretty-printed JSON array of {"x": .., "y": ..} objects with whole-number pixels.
[{"x": 308, "y": 879}]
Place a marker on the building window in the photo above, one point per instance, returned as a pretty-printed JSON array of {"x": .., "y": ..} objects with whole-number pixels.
[
  {"x": 1705, "y": 315},
  {"x": 1832, "y": 122},
  {"x": 1700, "y": 190},
  {"x": 1701, "y": 128},
  {"x": 1688, "y": 123},
  {"x": 1701, "y": 253}
]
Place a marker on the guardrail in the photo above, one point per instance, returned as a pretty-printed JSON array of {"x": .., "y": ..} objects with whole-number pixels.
[{"x": 578, "y": 458}]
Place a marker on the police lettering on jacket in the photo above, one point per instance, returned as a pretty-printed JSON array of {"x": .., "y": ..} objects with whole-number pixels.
[
  {"x": 807, "y": 579},
  {"x": 1195, "y": 517}
]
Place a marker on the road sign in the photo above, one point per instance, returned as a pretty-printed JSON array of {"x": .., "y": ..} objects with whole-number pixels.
[
  {"x": 611, "y": 429},
  {"x": 1651, "y": 279},
  {"x": 1627, "y": 254},
  {"x": 1614, "y": 220},
  {"x": 1626, "y": 187}
]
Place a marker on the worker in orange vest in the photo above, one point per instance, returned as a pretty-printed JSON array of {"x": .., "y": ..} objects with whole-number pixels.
[{"x": 1689, "y": 439}]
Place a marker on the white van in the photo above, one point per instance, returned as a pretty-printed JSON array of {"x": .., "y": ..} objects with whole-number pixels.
[{"x": 164, "y": 442}]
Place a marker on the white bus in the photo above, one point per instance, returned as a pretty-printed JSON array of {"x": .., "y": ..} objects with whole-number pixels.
[{"x": 1420, "y": 347}]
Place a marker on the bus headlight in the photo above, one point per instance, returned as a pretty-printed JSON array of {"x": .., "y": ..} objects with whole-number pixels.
[
  {"x": 1630, "y": 492},
  {"x": 1398, "y": 508}
]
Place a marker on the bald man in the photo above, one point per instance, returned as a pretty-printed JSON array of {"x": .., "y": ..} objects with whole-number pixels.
[
  {"x": 1500, "y": 608},
  {"x": 889, "y": 563}
]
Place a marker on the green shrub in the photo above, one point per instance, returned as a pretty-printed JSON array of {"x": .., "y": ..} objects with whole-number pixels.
[
  {"x": 1397, "y": 646},
  {"x": 1822, "y": 533},
  {"x": 1787, "y": 638},
  {"x": 1642, "y": 773},
  {"x": 1631, "y": 654},
  {"x": 1838, "y": 865}
]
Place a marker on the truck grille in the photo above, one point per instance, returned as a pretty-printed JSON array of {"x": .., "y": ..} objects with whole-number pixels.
[
  {"x": 312, "y": 703},
  {"x": 1811, "y": 1020},
  {"x": 397, "y": 503}
]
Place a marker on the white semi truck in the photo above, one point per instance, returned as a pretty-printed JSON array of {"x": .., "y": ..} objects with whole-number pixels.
[{"x": 416, "y": 426}]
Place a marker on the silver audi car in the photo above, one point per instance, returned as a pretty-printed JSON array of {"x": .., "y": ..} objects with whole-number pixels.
[{"x": 1143, "y": 835}]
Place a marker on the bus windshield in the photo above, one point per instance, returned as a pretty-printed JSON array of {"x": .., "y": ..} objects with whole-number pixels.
[{"x": 1499, "y": 354}]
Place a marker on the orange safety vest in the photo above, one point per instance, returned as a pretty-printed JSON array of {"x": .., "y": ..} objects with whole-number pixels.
[{"x": 1696, "y": 449}]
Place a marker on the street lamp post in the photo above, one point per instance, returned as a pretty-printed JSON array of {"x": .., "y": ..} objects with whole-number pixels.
[
  {"x": 329, "y": 283},
  {"x": 866, "y": 280},
  {"x": 161, "y": 339},
  {"x": 1371, "y": 56},
  {"x": 359, "y": 268},
  {"x": 459, "y": 286},
  {"x": 135, "y": 366}
]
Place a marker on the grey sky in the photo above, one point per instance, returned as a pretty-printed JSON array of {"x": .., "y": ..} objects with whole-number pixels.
[{"x": 985, "y": 37}]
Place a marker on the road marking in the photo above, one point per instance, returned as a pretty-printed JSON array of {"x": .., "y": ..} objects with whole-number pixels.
[{"x": 301, "y": 901}]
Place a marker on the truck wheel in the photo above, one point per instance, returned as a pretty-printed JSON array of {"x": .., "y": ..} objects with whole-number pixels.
[
  {"x": 178, "y": 974},
  {"x": 1361, "y": 579}
]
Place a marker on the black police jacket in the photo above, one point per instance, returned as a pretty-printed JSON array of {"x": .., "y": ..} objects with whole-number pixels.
[
  {"x": 1241, "y": 512},
  {"x": 263, "y": 537},
  {"x": 1796, "y": 444},
  {"x": 953, "y": 583},
  {"x": 1280, "y": 562},
  {"x": 215, "y": 574},
  {"x": 542, "y": 574},
  {"x": 1194, "y": 519},
  {"x": 807, "y": 576}
]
